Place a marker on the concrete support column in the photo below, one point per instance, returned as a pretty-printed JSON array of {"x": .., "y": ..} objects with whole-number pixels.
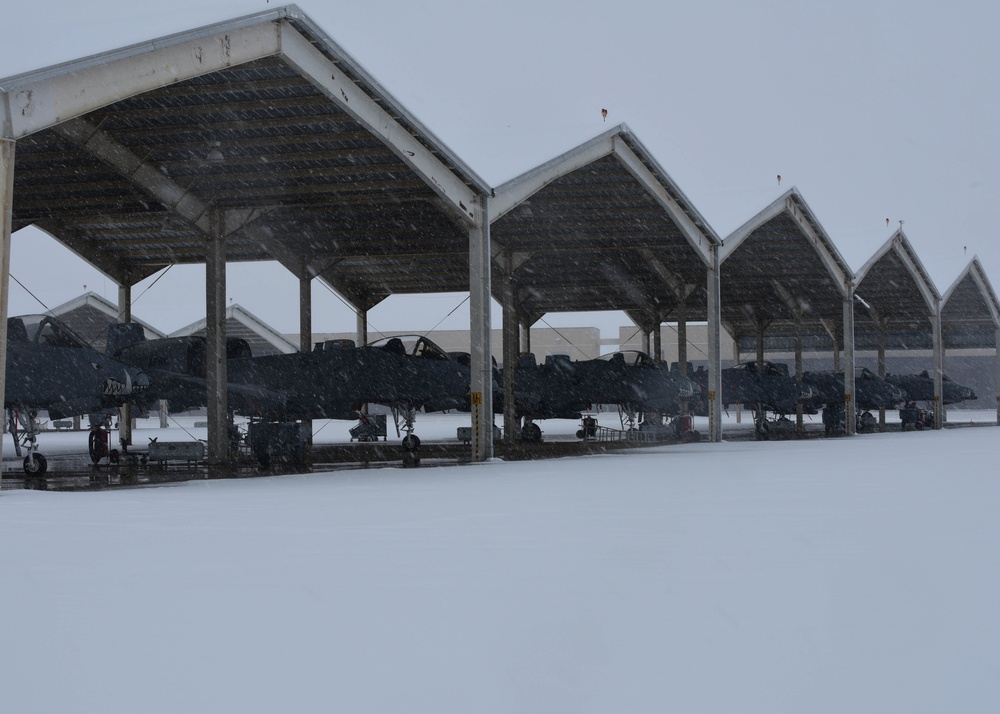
[
  {"x": 682, "y": 339},
  {"x": 215, "y": 343},
  {"x": 799, "y": 426},
  {"x": 305, "y": 314},
  {"x": 760, "y": 348},
  {"x": 938, "y": 365},
  {"x": 481, "y": 347},
  {"x": 881, "y": 371},
  {"x": 362, "y": 327},
  {"x": 511, "y": 350},
  {"x": 305, "y": 335},
  {"x": 836, "y": 355},
  {"x": 125, "y": 415},
  {"x": 714, "y": 346},
  {"x": 850, "y": 405},
  {"x": 6, "y": 210},
  {"x": 996, "y": 380},
  {"x": 658, "y": 343},
  {"x": 736, "y": 360},
  {"x": 525, "y": 339}
]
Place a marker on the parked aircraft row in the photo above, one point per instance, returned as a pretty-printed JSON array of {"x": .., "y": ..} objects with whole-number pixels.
[
  {"x": 773, "y": 395},
  {"x": 49, "y": 367}
]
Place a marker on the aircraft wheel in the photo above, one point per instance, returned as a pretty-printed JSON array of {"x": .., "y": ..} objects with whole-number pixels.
[
  {"x": 531, "y": 432},
  {"x": 35, "y": 466},
  {"x": 411, "y": 442},
  {"x": 97, "y": 446},
  {"x": 761, "y": 428}
]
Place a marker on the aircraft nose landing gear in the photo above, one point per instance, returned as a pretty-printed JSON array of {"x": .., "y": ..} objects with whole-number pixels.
[{"x": 35, "y": 465}]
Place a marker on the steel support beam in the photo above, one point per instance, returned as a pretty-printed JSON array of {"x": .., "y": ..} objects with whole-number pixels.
[
  {"x": 658, "y": 343},
  {"x": 714, "y": 346},
  {"x": 216, "y": 375},
  {"x": 480, "y": 338},
  {"x": 118, "y": 75},
  {"x": 881, "y": 370},
  {"x": 682, "y": 339},
  {"x": 362, "y": 327},
  {"x": 329, "y": 79},
  {"x": 760, "y": 347},
  {"x": 6, "y": 211},
  {"x": 525, "y": 340},
  {"x": 799, "y": 426},
  {"x": 938, "y": 364},
  {"x": 305, "y": 313},
  {"x": 305, "y": 333},
  {"x": 125, "y": 416},
  {"x": 850, "y": 406},
  {"x": 511, "y": 349}
]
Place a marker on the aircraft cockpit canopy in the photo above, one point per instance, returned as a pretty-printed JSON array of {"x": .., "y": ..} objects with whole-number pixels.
[
  {"x": 771, "y": 369},
  {"x": 633, "y": 358},
  {"x": 414, "y": 345},
  {"x": 43, "y": 330}
]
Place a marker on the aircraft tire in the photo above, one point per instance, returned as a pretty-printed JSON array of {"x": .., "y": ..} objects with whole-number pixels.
[
  {"x": 531, "y": 432},
  {"x": 97, "y": 446},
  {"x": 36, "y": 468},
  {"x": 411, "y": 442}
]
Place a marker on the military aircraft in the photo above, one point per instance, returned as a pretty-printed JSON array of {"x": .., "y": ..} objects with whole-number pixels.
[
  {"x": 870, "y": 392},
  {"x": 405, "y": 373},
  {"x": 49, "y": 367},
  {"x": 763, "y": 391},
  {"x": 920, "y": 388},
  {"x": 562, "y": 388}
]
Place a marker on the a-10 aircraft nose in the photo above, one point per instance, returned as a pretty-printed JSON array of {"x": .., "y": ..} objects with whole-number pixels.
[
  {"x": 132, "y": 381},
  {"x": 689, "y": 389},
  {"x": 140, "y": 381}
]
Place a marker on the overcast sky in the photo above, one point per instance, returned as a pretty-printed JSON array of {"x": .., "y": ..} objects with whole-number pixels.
[{"x": 873, "y": 109}]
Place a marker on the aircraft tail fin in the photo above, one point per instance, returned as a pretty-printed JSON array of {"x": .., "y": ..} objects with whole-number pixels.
[{"x": 122, "y": 335}]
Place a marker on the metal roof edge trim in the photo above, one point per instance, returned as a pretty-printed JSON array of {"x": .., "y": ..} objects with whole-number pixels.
[
  {"x": 294, "y": 15},
  {"x": 90, "y": 61},
  {"x": 632, "y": 140},
  {"x": 775, "y": 208},
  {"x": 302, "y": 21},
  {"x": 975, "y": 270},
  {"x": 733, "y": 241},
  {"x": 555, "y": 161},
  {"x": 899, "y": 243}
]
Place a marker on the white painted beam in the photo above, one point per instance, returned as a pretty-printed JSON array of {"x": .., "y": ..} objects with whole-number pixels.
[
  {"x": 48, "y": 100},
  {"x": 6, "y": 210},
  {"x": 351, "y": 99},
  {"x": 695, "y": 238},
  {"x": 480, "y": 337},
  {"x": 850, "y": 401},
  {"x": 714, "y": 347},
  {"x": 516, "y": 191},
  {"x": 216, "y": 376}
]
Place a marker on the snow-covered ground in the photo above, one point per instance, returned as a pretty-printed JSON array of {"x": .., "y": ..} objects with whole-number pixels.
[{"x": 854, "y": 574}]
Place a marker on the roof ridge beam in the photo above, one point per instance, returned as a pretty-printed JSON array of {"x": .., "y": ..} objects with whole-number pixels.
[
  {"x": 335, "y": 83},
  {"x": 514, "y": 192},
  {"x": 842, "y": 279},
  {"x": 149, "y": 179},
  {"x": 41, "y": 104},
  {"x": 695, "y": 237}
]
